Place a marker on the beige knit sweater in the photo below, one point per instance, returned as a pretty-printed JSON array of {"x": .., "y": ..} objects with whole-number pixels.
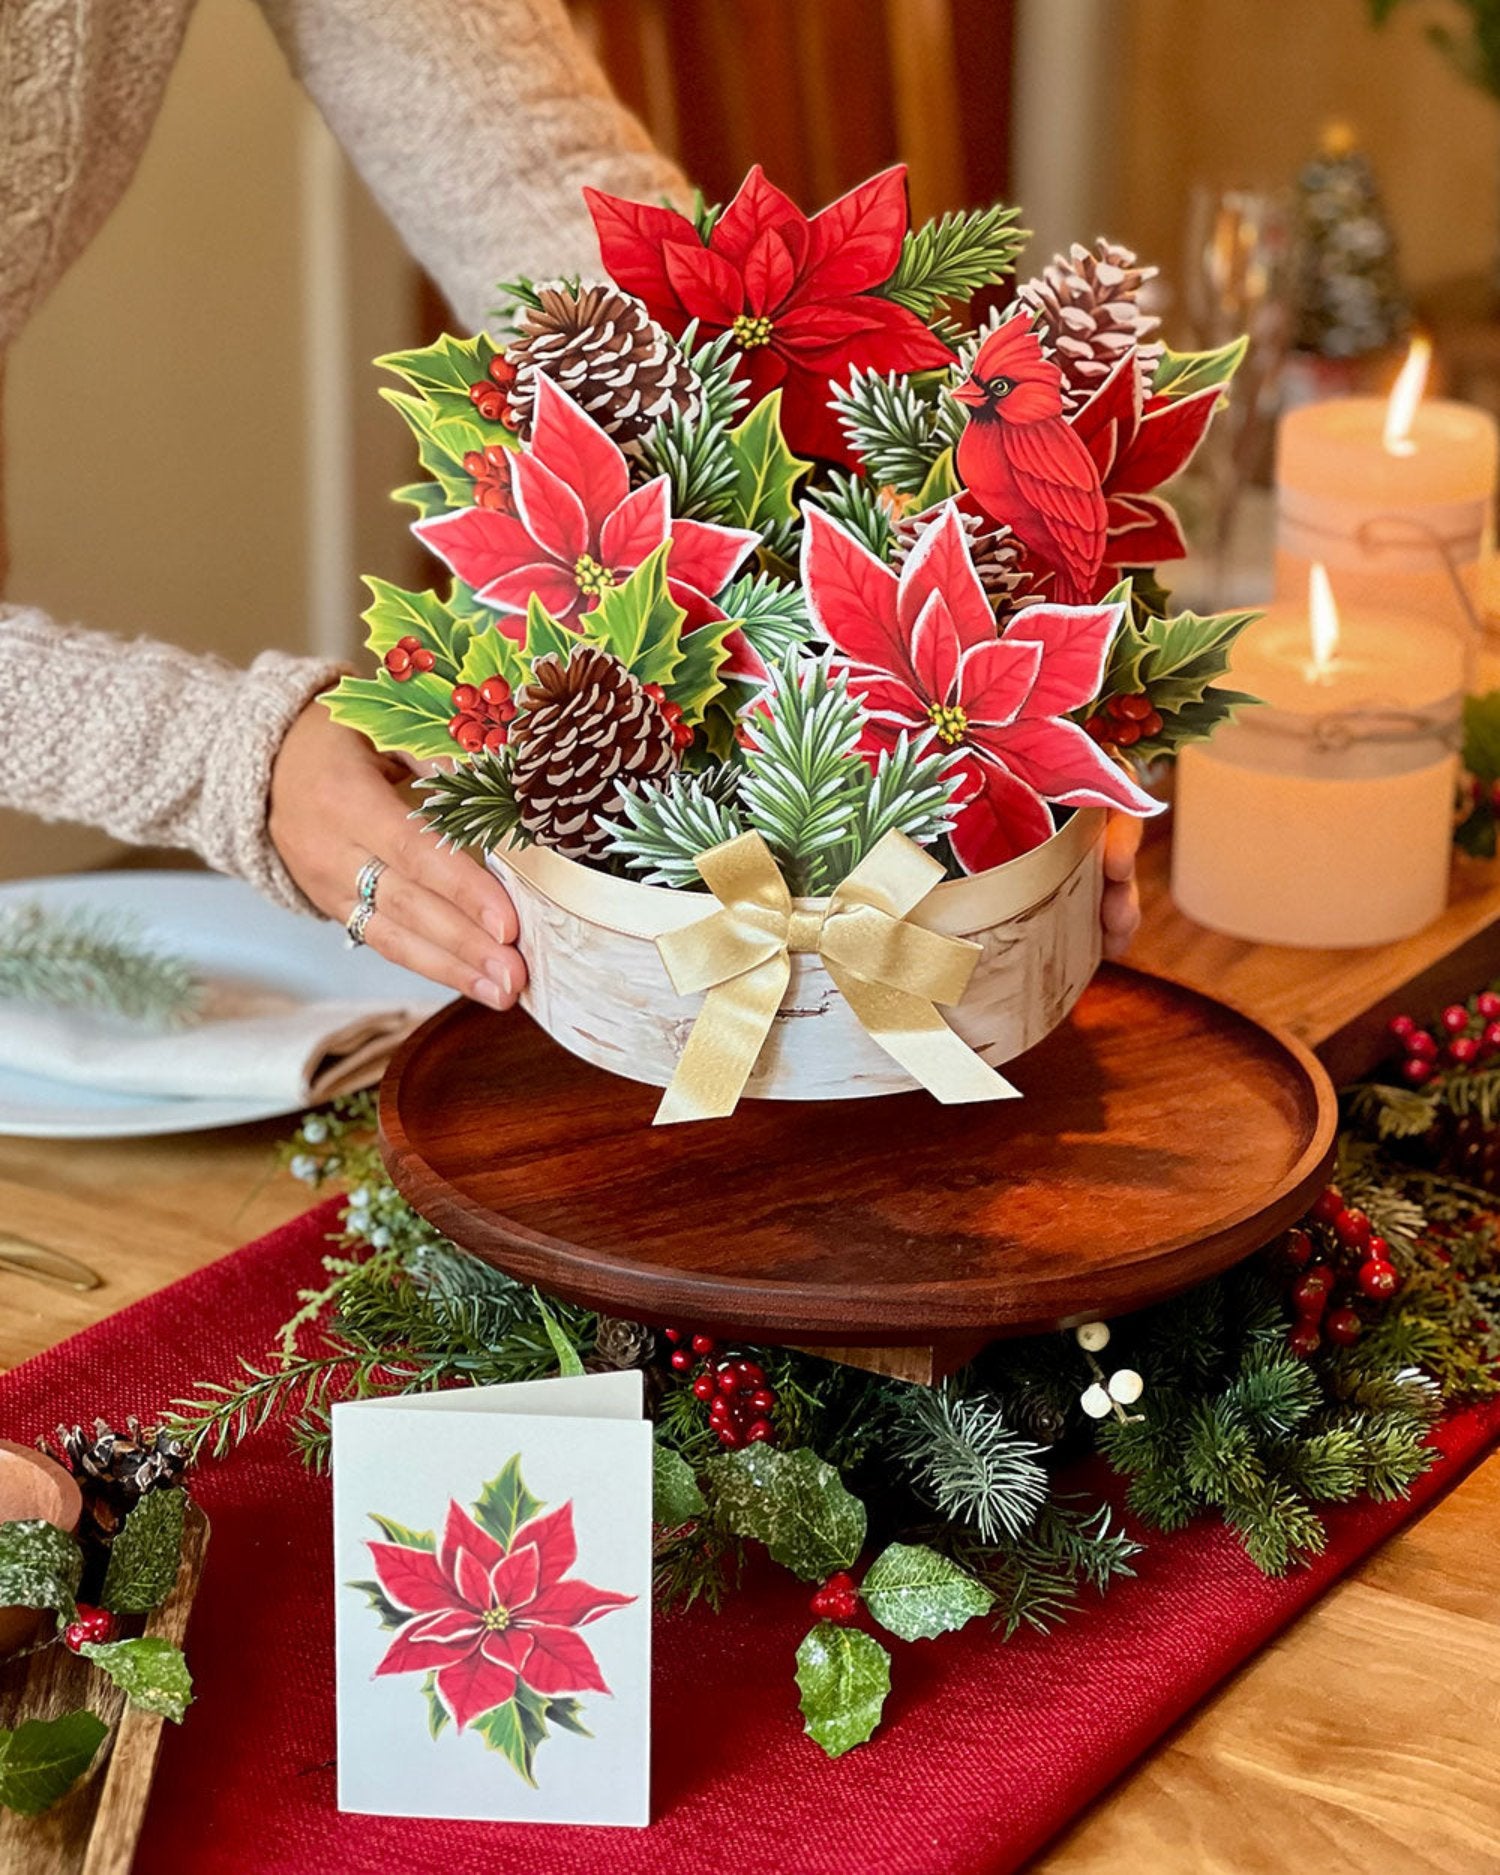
[{"x": 475, "y": 123}]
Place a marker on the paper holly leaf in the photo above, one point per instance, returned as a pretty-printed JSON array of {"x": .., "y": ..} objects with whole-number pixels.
[
  {"x": 43, "y": 1758},
  {"x": 1180, "y": 374},
  {"x": 151, "y": 1673},
  {"x": 442, "y": 372},
  {"x": 940, "y": 485},
  {"x": 40, "y": 1566},
  {"x": 918, "y": 1593},
  {"x": 426, "y": 497},
  {"x": 444, "y": 441},
  {"x": 505, "y": 1504},
  {"x": 843, "y": 1676},
  {"x": 792, "y": 1502},
  {"x": 1175, "y": 662},
  {"x": 397, "y": 614},
  {"x": 410, "y": 717},
  {"x": 766, "y": 473},
  {"x": 675, "y": 1497},
  {"x": 144, "y": 1556},
  {"x": 492, "y": 654}
]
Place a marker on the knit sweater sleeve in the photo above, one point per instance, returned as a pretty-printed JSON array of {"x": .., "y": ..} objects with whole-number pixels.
[
  {"x": 157, "y": 746},
  {"x": 476, "y": 124}
]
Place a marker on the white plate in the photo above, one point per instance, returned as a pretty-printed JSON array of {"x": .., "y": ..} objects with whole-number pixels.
[{"x": 219, "y": 926}]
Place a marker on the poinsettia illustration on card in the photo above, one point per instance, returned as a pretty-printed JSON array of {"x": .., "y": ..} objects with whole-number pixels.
[{"x": 493, "y": 1641}]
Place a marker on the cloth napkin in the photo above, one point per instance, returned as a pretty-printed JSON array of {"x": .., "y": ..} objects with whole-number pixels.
[{"x": 249, "y": 1043}]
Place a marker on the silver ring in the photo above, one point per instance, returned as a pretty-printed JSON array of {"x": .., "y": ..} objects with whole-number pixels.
[
  {"x": 367, "y": 880},
  {"x": 358, "y": 921}
]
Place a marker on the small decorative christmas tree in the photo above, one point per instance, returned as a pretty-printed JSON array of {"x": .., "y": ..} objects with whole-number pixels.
[{"x": 1349, "y": 296}]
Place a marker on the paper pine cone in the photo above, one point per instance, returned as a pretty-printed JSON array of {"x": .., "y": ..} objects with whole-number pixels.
[
  {"x": 998, "y": 557},
  {"x": 605, "y": 350},
  {"x": 1089, "y": 302},
  {"x": 587, "y": 731}
]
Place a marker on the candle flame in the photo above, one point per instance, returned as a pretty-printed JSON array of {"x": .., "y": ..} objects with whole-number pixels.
[
  {"x": 1323, "y": 623},
  {"x": 1406, "y": 394}
]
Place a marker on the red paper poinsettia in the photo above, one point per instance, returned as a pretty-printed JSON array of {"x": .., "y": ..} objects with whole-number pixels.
[
  {"x": 923, "y": 656},
  {"x": 559, "y": 519},
  {"x": 1137, "y": 443},
  {"x": 482, "y": 1615},
  {"x": 797, "y": 293}
]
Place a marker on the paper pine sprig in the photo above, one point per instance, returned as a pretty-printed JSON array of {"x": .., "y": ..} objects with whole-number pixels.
[
  {"x": 895, "y": 427},
  {"x": 474, "y": 807},
  {"x": 953, "y": 258}
]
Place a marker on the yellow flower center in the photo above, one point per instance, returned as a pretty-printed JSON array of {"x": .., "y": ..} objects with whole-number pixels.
[
  {"x": 951, "y": 723},
  {"x": 592, "y": 579},
  {"x": 751, "y": 330},
  {"x": 496, "y": 1620}
]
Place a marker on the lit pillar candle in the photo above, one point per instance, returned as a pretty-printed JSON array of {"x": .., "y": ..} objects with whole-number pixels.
[
  {"x": 1382, "y": 492},
  {"x": 1325, "y": 817}
]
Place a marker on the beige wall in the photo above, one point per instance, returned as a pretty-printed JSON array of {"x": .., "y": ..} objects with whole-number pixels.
[
  {"x": 157, "y": 440},
  {"x": 1235, "y": 91}
]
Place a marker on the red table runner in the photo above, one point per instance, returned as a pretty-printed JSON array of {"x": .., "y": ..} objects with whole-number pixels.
[{"x": 987, "y": 1749}]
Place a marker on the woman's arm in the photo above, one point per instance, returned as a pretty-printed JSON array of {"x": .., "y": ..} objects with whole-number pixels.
[
  {"x": 161, "y": 747},
  {"x": 476, "y": 124}
]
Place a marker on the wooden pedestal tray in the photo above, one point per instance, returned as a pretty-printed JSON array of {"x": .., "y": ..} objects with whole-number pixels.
[{"x": 1163, "y": 1136}]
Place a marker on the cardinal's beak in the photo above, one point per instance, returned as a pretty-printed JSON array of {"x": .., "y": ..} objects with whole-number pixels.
[{"x": 970, "y": 392}]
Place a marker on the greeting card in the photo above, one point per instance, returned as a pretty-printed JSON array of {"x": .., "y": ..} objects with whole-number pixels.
[{"x": 492, "y": 1555}]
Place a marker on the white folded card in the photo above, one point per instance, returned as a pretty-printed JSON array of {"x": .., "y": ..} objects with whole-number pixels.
[{"x": 492, "y": 1558}]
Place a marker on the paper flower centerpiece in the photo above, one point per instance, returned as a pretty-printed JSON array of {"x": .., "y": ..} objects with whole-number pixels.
[{"x": 775, "y": 575}]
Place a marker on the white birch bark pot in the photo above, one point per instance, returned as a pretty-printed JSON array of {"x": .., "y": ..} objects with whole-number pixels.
[{"x": 597, "y": 984}]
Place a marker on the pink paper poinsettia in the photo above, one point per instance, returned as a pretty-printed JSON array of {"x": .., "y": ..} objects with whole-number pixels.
[
  {"x": 566, "y": 526},
  {"x": 482, "y": 1615},
  {"x": 923, "y": 655}
]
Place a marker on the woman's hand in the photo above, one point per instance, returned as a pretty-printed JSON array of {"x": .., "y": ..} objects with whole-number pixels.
[
  {"x": 336, "y": 803},
  {"x": 1120, "y": 910}
]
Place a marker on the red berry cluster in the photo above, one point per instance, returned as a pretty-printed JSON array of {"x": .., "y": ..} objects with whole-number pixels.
[
  {"x": 406, "y": 657},
  {"x": 490, "y": 468},
  {"x": 1471, "y": 1034},
  {"x": 1125, "y": 720},
  {"x": 739, "y": 1398},
  {"x": 490, "y": 395},
  {"x": 483, "y": 715},
  {"x": 92, "y": 1624},
  {"x": 837, "y": 1600},
  {"x": 1334, "y": 1262},
  {"x": 682, "y": 732}
]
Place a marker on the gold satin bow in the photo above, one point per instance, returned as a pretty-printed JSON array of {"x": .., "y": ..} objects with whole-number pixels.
[{"x": 891, "y": 973}]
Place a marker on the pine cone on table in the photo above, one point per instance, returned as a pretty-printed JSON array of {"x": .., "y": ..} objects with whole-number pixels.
[
  {"x": 587, "y": 730},
  {"x": 115, "y": 1470},
  {"x": 604, "y": 349},
  {"x": 1089, "y": 302}
]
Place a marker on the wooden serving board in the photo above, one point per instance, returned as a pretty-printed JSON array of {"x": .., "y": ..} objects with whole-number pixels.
[
  {"x": 1163, "y": 1136},
  {"x": 94, "y": 1829}
]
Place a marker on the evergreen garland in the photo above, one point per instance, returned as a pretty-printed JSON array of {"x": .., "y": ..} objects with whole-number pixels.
[
  {"x": 963, "y": 1457},
  {"x": 83, "y": 959}
]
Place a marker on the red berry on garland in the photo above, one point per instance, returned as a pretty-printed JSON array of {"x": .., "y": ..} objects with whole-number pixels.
[
  {"x": 1311, "y": 1291},
  {"x": 762, "y": 1400},
  {"x": 1487, "y": 1002},
  {"x": 1352, "y": 1228},
  {"x": 1304, "y": 1340},
  {"x": 837, "y": 1599},
  {"x": 759, "y": 1430},
  {"x": 704, "y": 1344},
  {"x": 1422, "y": 1045},
  {"x": 1329, "y": 1203},
  {"x": 674, "y": 1335},
  {"x": 1464, "y": 1050},
  {"x": 1416, "y": 1071},
  {"x": 1379, "y": 1280},
  {"x": 681, "y": 1360},
  {"x": 1402, "y": 1027},
  {"x": 1491, "y": 1036},
  {"x": 730, "y": 1435},
  {"x": 1377, "y": 1250},
  {"x": 1343, "y": 1327},
  {"x": 92, "y": 1624},
  {"x": 704, "y": 1388},
  {"x": 729, "y": 1380},
  {"x": 1455, "y": 1018},
  {"x": 1297, "y": 1248}
]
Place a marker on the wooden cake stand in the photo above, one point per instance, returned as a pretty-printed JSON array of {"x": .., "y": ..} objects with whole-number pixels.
[{"x": 1162, "y": 1138}]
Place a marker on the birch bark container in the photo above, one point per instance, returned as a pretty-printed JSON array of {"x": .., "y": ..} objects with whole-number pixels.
[{"x": 598, "y": 987}]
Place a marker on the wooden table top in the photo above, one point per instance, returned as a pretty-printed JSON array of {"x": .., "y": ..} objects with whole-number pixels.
[{"x": 1362, "y": 1739}]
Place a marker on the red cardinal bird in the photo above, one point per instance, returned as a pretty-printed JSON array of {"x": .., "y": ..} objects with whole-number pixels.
[{"x": 1024, "y": 463}]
